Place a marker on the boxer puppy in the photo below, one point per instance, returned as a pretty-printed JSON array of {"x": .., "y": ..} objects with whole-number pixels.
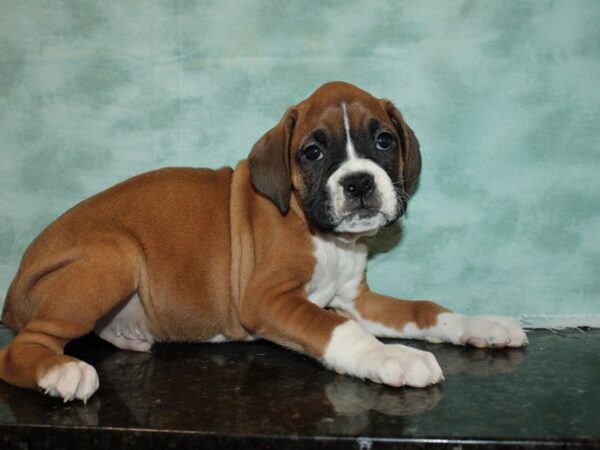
[{"x": 274, "y": 249}]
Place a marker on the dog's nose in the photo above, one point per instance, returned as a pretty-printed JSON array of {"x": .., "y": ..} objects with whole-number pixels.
[{"x": 358, "y": 185}]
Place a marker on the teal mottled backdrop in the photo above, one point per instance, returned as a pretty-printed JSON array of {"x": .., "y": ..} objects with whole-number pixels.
[{"x": 503, "y": 95}]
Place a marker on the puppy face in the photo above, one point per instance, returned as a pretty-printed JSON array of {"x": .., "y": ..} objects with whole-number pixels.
[
  {"x": 348, "y": 157},
  {"x": 346, "y": 169}
]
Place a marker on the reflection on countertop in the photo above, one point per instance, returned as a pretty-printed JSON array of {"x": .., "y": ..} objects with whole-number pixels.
[{"x": 547, "y": 391}]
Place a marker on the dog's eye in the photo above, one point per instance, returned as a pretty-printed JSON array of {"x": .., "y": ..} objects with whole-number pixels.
[
  {"x": 313, "y": 153},
  {"x": 384, "y": 141}
]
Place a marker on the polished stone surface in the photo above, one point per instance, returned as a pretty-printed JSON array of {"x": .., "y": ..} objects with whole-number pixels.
[{"x": 259, "y": 395}]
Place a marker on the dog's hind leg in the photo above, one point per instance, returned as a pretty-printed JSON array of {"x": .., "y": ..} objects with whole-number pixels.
[{"x": 65, "y": 304}]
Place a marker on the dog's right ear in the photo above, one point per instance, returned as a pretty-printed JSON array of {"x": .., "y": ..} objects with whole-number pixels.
[{"x": 269, "y": 162}]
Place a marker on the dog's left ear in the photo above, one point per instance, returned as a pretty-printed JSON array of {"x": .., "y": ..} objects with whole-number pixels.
[
  {"x": 411, "y": 155},
  {"x": 269, "y": 162}
]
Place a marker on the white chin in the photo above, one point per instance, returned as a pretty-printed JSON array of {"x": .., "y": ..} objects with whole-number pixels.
[{"x": 365, "y": 226}]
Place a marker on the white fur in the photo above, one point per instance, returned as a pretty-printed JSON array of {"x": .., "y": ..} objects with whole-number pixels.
[
  {"x": 71, "y": 380},
  {"x": 350, "y": 150},
  {"x": 353, "y": 351},
  {"x": 338, "y": 272},
  {"x": 220, "y": 338},
  {"x": 376, "y": 328},
  {"x": 480, "y": 331},
  {"x": 348, "y": 223},
  {"x": 126, "y": 327}
]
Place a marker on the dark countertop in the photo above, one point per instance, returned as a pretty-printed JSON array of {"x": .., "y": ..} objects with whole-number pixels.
[{"x": 257, "y": 395}]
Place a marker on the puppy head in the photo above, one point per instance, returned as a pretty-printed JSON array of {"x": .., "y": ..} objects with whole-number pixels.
[{"x": 349, "y": 158}]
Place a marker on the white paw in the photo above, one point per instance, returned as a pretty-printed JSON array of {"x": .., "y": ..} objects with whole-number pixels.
[
  {"x": 492, "y": 331},
  {"x": 353, "y": 351},
  {"x": 69, "y": 381},
  {"x": 399, "y": 365}
]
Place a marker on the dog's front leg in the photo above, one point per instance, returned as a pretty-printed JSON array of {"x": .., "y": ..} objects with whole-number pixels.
[
  {"x": 289, "y": 319},
  {"x": 390, "y": 317}
]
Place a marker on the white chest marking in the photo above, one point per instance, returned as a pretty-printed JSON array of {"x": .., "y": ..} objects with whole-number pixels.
[
  {"x": 350, "y": 150},
  {"x": 338, "y": 272}
]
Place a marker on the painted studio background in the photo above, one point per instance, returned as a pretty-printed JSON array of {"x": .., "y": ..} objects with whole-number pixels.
[{"x": 504, "y": 97}]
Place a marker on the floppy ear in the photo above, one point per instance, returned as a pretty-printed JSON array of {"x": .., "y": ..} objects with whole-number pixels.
[
  {"x": 269, "y": 162},
  {"x": 411, "y": 156}
]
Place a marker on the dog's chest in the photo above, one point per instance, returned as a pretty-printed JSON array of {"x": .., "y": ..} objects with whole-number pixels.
[{"x": 338, "y": 272}]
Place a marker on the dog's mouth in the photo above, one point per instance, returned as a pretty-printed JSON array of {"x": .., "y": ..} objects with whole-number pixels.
[
  {"x": 365, "y": 221},
  {"x": 361, "y": 213}
]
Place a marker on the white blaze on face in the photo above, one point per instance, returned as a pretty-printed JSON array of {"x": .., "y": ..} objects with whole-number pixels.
[
  {"x": 346, "y": 220},
  {"x": 350, "y": 150}
]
